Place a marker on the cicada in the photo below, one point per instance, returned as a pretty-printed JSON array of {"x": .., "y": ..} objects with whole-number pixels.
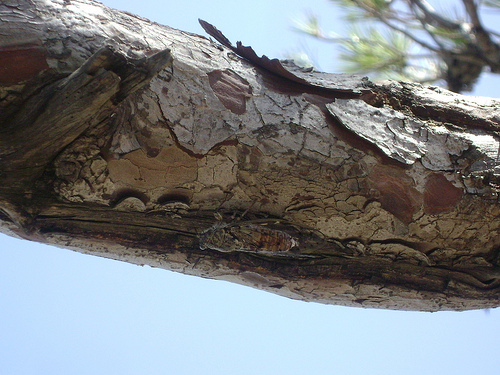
[{"x": 247, "y": 237}]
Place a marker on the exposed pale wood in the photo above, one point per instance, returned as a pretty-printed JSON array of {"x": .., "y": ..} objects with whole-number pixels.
[{"x": 124, "y": 145}]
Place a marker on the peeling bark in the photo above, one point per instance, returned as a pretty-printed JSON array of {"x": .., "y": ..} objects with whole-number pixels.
[{"x": 122, "y": 138}]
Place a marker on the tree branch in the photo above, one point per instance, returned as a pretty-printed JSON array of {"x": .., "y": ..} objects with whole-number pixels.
[
  {"x": 434, "y": 18},
  {"x": 347, "y": 192}
]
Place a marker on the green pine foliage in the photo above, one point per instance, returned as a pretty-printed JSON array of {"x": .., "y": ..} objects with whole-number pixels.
[{"x": 409, "y": 40}]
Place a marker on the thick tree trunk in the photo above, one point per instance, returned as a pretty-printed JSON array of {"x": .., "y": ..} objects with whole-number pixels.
[{"x": 122, "y": 138}]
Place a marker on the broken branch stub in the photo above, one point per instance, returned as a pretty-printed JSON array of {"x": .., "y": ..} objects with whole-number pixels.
[{"x": 329, "y": 188}]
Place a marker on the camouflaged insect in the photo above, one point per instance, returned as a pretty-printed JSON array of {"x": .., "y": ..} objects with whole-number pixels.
[{"x": 248, "y": 238}]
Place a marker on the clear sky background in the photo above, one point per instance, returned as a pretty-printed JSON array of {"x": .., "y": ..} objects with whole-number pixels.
[{"x": 62, "y": 312}]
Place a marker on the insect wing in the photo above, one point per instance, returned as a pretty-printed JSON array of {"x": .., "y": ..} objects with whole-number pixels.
[
  {"x": 262, "y": 239},
  {"x": 218, "y": 238}
]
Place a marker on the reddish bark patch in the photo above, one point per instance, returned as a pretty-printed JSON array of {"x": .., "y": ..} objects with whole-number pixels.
[
  {"x": 395, "y": 192},
  {"x": 20, "y": 63},
  {"x": 439, "y": 194},
  {"x": 231, "y": 89}
]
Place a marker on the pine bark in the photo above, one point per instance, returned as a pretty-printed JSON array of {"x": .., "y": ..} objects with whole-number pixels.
[{"x": 130, "y": 140}]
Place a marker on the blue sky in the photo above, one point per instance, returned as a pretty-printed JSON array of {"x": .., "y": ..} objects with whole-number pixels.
[{"x": 62, "y": 312}]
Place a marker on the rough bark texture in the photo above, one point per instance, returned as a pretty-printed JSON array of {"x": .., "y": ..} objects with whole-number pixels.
[{"x": 121, "y": 138}]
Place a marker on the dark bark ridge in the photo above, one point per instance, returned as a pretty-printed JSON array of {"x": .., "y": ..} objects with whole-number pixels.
[{"x": 122, "y": 138}]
